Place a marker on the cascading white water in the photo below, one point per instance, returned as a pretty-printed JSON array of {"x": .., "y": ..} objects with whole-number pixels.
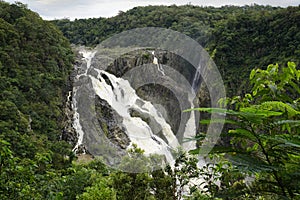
[
  {"x": 122, "y": 98},
  {"x": 196, "y": 80},
  {"x": 87, "y": 56},
  {"x": 190, "y": 130},
  {"x": 76, "y": 123},
  {"x": 159, "y": 67}
]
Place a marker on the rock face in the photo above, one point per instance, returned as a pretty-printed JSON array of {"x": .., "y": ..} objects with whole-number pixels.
[
  {"x": 69, "y": 133},
  {"x": 164, "y": 101},
  {"x": 126, "y": 62},
  {"x": 161, "y": 96},
  {"x": 111, "y": 123}
]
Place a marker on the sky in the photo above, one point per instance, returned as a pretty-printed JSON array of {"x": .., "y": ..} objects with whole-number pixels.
[{"x": 57, "y": 9}]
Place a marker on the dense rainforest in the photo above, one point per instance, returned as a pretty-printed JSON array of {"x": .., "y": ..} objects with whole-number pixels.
[
  {"x": 35, "y": 61},
  {"x": 257, "y": 50},
  {"x": 238, "y": 38}
]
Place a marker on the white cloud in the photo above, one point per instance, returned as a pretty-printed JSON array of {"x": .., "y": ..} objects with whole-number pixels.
[{"x": 50, "y": 9}]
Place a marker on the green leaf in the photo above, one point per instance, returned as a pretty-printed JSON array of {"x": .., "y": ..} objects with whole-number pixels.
[
  {"x": 216, "y": 150},
  {"x": 242, "y": 133},
  {"x": 227, "y": 121},
  {"x": 209, "y": 110},
  {"x": 292, "y": 123},
  {"x": 295, "y": 87},
  {"x": 279, "y": 106},
  {"x": 253, "y": 72},
  {"x": 251, "y": 163},
  {"x": 256, "y": 111},
  {"x": 197, "y": 137}
]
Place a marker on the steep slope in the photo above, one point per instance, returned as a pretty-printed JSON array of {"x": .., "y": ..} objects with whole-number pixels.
[
  {"x": 194, "y": 21},
  {"x": 238, "y": 38},
  {"x": 254, "y": 40},
  {"x": 35, "y": 61}
]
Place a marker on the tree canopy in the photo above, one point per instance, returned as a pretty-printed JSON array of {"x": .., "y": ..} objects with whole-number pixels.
[
  {"x": 35, "y": 61},
  {"x": 237, "y": 38},
  {"x": 261, "y": 161}
]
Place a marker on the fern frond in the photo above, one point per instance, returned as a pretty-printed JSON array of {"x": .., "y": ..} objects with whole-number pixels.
[{"x": 278, "y": 106}]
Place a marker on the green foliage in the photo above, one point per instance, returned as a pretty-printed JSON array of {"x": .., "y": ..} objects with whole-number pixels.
[
  {"x": 194, "y": 21},
  {"x": 237, "y": 38},
  {"x": 99, "y": 191},
  {"x": 283, "y": 85},
  {"x": 251, "y": 39},
  {"x": 265, "y": 139},
  {"x": 161, "y": 184},
  {"x": 35, "y": 61}
]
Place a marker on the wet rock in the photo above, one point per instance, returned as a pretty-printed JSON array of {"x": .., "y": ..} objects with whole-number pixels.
[
  {"x": 161, "y": 96},
  {"x": 69, "y": 133},
  {"x": 152, "y": 123},
  {"x": 111, "y": 123}
]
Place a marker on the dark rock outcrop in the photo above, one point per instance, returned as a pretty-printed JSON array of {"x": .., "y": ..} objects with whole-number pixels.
[
  {"x": 161, "y": 96},
  {"x": 111, "y": 123},
  {"x": 158, "y": 94},
  {"x": 69, "y": 133}
]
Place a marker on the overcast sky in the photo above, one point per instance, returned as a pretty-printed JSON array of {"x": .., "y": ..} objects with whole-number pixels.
[{"x": 57, "y": 9}]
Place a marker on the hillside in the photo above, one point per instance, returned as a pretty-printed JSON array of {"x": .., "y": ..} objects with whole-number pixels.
[
  {"x": 55, "y": 98},
  {"x": 238, "y": 38},
  {"x": 35, "y": 62}
]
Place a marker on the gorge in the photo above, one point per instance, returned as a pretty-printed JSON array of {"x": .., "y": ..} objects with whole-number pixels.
[
  {"x": 61, "y": 103},
  {"x": 117, "y": 117}
]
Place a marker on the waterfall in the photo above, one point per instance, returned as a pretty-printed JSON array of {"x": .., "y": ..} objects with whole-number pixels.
[
  {"x": 190, "y": 131},
  {"x": 155, "y": 61},
  {"x": 197, "y": 79},
  {"x": 160, "y": 68},
  {"x": 87, "y": 57},
  {"x": 122, "y": 98},
  {"x": 118, "y": 93},
  {"x": 76, "y": 124}
]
